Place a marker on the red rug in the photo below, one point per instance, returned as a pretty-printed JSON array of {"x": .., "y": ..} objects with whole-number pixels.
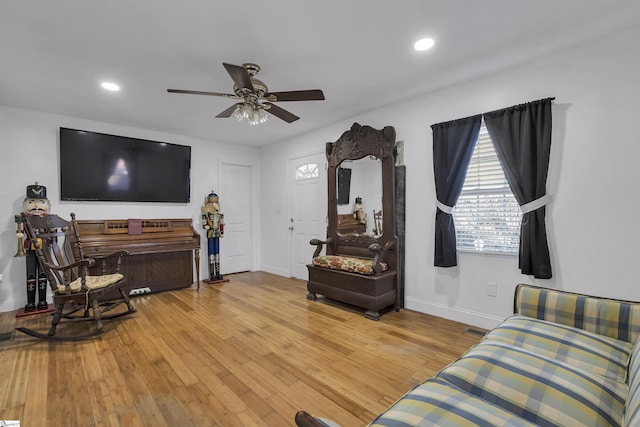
[{"x": 22, "y": 313}]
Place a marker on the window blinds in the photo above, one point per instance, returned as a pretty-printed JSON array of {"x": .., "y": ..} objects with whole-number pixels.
[{"x": 487, "y": 216}]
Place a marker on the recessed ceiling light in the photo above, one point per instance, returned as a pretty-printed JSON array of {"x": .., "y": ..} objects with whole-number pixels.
[
  {"x": 110, "y": 86},
  {"x": 423, "y": 44}
]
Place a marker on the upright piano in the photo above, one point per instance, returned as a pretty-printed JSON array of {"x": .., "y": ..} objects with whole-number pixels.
[{"x": 161, "y": 250}]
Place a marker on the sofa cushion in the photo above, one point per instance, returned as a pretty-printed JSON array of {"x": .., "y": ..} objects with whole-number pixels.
[
  {"x": 438, "y": 403},
  {"x": 582, "y": 349},
  {"x": 632, "y": 410},
  {"x": 346, "y": 263},
  {"x": 614, "y": 318},
  {"x": 542, "y": 390}
]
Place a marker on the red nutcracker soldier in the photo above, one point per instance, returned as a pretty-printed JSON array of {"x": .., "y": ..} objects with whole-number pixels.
[
  {"x": 213, "y": 222},
  {"x": 36, "y": 203}
]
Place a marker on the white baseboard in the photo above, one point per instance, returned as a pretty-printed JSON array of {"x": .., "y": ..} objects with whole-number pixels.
[
  {"x": 12, "y": 304},
  {"x": 275, "y": 270},
  {"x": 473, "y": 318}
]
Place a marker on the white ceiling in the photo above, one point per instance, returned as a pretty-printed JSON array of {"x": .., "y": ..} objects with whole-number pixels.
[{"x": 54, "y": 54}]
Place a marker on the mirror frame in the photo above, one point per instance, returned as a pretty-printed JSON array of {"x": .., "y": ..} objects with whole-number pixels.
[{"x": 356, "y": 143}]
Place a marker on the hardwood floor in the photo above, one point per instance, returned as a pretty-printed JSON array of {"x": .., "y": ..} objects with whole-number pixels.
[{"x": 249, "y": 352}]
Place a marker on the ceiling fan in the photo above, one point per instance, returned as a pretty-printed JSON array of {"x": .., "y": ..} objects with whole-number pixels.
[{"x": 254, "y": 96}]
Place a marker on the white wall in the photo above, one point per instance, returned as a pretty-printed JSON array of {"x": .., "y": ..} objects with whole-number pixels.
[
  {"x": 29, "y": 152},
  {"x": 593, "y": 179}
]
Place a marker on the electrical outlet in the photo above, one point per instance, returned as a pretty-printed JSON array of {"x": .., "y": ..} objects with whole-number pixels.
[{"x": 492, "y": 289}]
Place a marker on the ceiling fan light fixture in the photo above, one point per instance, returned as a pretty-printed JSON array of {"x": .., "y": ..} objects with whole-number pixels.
[
  {"x": 257, "y": 115},
  {"x": 253, "y": 113},
  {"x": 261, "y": 115},
  {"x": 238, "y": 113}
]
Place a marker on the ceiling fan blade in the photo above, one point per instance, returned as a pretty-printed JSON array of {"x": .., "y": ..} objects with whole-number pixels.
[
  {"x": 297, "y": 95},
  {"x": 280, "y": 113},
  {"x": 229, "y": 111},
  {"x": 240, "y": 76},
  {"x": 198, "y": 92}
]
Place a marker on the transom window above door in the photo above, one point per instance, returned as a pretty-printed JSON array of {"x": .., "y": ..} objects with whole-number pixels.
[{"x": 308, "y": 171}]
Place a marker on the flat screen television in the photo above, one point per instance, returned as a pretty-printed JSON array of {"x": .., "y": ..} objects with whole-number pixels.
[{"x": 101, "y": 167}]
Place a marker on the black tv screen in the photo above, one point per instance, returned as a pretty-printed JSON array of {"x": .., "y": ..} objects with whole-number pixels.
[{"x": 100, "y": 167}]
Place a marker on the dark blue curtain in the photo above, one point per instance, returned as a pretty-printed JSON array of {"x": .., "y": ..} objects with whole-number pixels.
[
  {"x": 453, "y": 144},
  {"x": 521, "y": 136}
]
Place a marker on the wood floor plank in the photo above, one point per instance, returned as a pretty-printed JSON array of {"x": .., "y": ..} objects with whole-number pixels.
[
  {"x": 37, "y": 389},
  {"x": 248, "y": 352}
]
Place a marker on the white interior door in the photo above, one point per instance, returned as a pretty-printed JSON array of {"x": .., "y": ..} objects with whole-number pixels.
[
  {"x": 307, "y": 210},
  {"x": 236, "y": 247}
]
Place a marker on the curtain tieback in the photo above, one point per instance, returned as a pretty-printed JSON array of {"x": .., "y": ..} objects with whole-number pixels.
[
  {"x": 536, "y": 204},
  {"x": 444, "y": 208}
]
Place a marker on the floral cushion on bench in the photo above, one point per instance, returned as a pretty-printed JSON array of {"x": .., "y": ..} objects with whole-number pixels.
[{"x": 349, "y": 264}]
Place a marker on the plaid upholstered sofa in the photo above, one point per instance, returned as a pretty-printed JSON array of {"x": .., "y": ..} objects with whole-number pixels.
[{"x": 562, "y": 359}]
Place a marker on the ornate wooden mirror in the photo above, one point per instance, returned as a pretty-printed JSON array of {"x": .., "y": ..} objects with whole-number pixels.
[
  {"x": 368, "y": 154},
  {"x": 360, "y": 267}
]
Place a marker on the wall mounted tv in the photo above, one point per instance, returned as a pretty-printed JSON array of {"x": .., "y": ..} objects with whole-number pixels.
[{"x": 101, "y": 167}]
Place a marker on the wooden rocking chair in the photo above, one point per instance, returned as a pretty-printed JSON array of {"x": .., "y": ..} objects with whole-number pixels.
[{"x": 76, "y": 293}]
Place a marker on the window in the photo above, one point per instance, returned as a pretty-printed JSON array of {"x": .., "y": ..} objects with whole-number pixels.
[
  {"x": 487, "y": 216},
  {"x": 308, "y": 171}
]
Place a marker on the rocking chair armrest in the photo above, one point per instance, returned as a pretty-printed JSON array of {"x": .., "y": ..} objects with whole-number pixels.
[
  {"x": 319, "y": 243},
  {"x": 85, "y": 262},
  {"x": 379, "y": 255}
]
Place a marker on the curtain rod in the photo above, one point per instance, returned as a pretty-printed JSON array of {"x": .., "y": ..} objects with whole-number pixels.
[
  {"x": 455, "y": 121},
  {"x": 520, "y": 105}
]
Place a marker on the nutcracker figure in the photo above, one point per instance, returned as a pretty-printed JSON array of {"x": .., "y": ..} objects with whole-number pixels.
[
  {"x": 36, "y": 203},
  {"x": 213, "y": 222}
]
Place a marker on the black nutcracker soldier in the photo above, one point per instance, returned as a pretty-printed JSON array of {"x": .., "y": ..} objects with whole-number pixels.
[
  {"x": 213, "y": 222},
  {"x": 35, "y": 203}
]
